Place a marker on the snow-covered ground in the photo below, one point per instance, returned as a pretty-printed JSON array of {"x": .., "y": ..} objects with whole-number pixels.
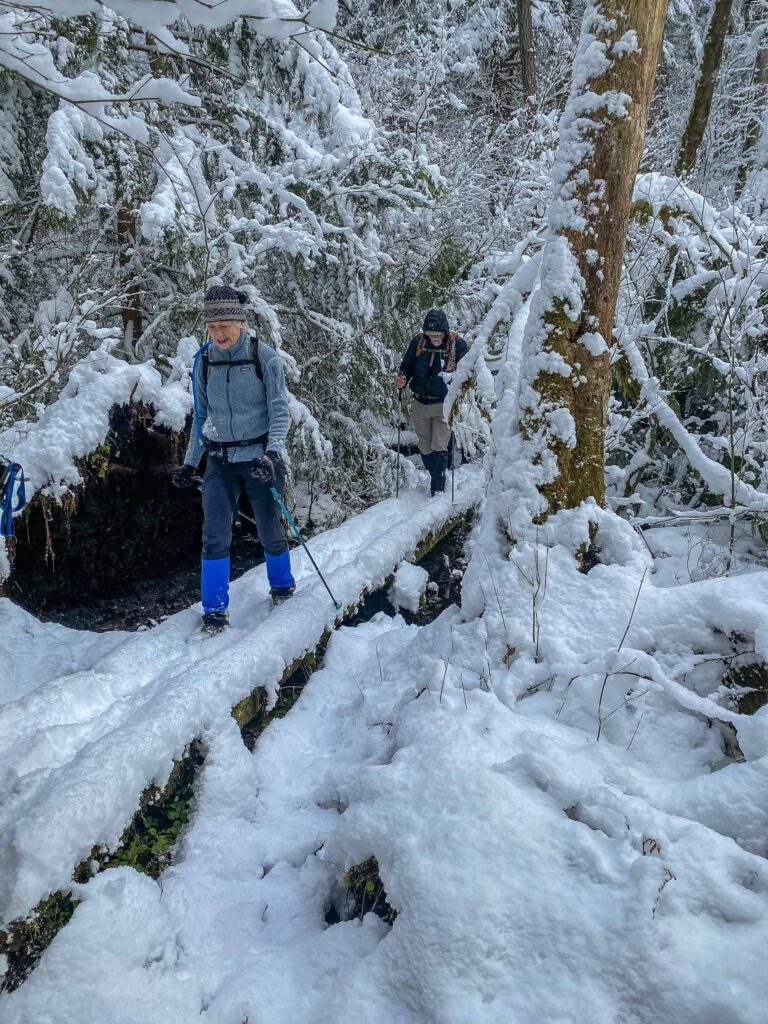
[
  {"x": 538, "y": 875},
  {"x": 91, "y": 719}
]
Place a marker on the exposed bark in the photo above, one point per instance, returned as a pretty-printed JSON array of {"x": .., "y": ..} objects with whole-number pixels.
[
  {"x": 77, "y": 551},
  {"x": 527, "y": 47},
  {"x": 705, "y": 86},
  {"x": 131, "y": 309},
  {"x": 755, "y": 13},
  {"x": 597, "y": 194}
]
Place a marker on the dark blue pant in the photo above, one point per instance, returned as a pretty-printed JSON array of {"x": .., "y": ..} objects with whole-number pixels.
[{"x": 222, "y": 486}]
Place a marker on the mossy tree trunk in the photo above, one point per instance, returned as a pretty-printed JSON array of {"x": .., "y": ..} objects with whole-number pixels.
[
  {"x": 563, "y": 412},
  {"x": 709, "y": 69}
]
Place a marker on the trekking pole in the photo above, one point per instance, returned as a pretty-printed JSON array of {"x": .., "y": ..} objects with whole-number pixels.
[
  {"x": 399, "y": 422},
  {"x": 299, "y": 537},
  {"x": 453, "y": 468}
]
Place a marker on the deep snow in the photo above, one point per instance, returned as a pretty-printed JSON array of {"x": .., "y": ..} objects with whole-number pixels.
[{"x": 538, "y": 875}]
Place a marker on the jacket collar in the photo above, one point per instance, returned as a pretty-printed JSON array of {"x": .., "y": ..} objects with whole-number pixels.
[{"x": 236, "y": 352}]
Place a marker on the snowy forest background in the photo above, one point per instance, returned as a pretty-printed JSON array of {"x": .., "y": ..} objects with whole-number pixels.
[{"x": 556, "y": 789}]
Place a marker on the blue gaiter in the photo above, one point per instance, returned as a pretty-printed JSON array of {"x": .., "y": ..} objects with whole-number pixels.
[
  {"x": 279, "y": 570},
  {"x": 214, "y": 584}
]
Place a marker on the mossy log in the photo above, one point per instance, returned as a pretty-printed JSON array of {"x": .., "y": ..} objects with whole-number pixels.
[
  {"x": 148, "y": 840},
  {"x": 146, "y": 845}
]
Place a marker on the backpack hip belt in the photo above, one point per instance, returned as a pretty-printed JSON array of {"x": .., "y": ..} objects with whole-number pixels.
[{"x": 222, "y": 447}]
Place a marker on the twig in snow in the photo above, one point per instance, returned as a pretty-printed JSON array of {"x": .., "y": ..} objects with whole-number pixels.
[
  {"x": 443, "y": 682},
  {"x": 669, "y": 877},
  {"x": 634, "y": 696},
  {"x": 636, "y": 728},
  {"x": 634, "y": 606},
  {"x": 600, "y": 718},
  {"x": 493, "y": 583}
]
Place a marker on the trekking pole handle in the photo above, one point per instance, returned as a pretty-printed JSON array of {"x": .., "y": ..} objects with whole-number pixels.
[{"x": 297, "y": 532}]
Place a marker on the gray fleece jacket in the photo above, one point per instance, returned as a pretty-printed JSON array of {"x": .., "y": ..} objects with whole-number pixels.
[{"x": 236, "y": 405}]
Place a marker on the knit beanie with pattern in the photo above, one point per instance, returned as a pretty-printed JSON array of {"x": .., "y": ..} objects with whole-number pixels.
[{"x": 224, "y": 303}]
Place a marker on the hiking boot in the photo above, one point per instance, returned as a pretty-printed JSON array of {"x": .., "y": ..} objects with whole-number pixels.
[
  {"x": 215, "y": 623},
  {"x": 280, "y": 594},
  {"x": 438, "y": 467}
]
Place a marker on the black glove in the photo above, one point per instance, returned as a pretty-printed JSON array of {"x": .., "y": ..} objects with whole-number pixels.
[
  {"x": 267, "y": 469},
  {"x": 184, "y": 477}
]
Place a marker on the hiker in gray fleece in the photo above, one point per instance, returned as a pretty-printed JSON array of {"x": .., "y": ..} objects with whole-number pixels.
[{"x": 241, "y": 421}]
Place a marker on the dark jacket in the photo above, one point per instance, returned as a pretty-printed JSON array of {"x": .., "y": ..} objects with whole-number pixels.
[{"x": 423, "y": 363}]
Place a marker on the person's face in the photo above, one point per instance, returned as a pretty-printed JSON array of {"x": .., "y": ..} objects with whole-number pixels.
[
  {"x": 436, "y": 337},
  {"x": 224, "y": 333}
]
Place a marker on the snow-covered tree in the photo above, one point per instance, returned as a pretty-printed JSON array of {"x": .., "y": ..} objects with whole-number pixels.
[
  {"x": 565, "y": 373},
  {"x": 146, "y": 159}
]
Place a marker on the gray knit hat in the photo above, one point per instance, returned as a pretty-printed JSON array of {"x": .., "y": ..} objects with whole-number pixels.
[{"x": 224, "y": 303}]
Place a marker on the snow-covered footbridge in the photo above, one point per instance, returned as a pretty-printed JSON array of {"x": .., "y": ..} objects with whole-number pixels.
[{"x": 90, "y": 721}]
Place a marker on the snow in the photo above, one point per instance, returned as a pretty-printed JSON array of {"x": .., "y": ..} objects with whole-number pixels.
[
  {"x": 408, "y": 587},
  {"x": 532, "y": 866},
  {"x": 717, "y": 476},
  {"x": 533, "y": 870},
  {"x": 78, "y": 422},
  {"x": 568, "y": 809},
  {"x": 79, "y": 748},
  {"x": 272, "y": 17}
]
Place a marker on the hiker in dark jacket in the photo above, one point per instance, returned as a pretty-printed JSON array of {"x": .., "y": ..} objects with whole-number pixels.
[
  {"x": 241, "y": 421},
  {"x": 431, "y": 354}
]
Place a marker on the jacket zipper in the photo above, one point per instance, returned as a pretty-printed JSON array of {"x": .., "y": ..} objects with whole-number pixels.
[{"x": 231, "y": 413}]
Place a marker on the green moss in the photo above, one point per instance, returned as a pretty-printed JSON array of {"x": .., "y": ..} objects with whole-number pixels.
[
  {"x": 624, "y": 381},
  {"x": 251, "y": 713},
  {"x": 581, "y": 469},
  {"x": 24, "y": 942},
  {"x": 751, "y": 682},
  {"x": 432, "y": 539},
  {"x": 365, "y": 892},
  {"x": 147, "y": 843},
  {"x": 99, "y": 459}
]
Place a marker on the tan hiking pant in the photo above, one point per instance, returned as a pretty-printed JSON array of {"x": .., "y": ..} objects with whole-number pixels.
[{"x": 434, "y": 433}]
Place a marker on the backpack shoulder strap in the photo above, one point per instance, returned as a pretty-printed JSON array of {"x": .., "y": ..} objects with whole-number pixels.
[
  {"x": 204, "y": 360},
  {"x": 256, "y": 358}
]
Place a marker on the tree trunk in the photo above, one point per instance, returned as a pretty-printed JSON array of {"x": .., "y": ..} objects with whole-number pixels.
[
  {"x": 754, "y": 14},
  {"x": 705, "y": 86},
  {"x": 566, "y": 374},
  {"x": 527, "y": 48},
  {"x": 131, "y": 292}
]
